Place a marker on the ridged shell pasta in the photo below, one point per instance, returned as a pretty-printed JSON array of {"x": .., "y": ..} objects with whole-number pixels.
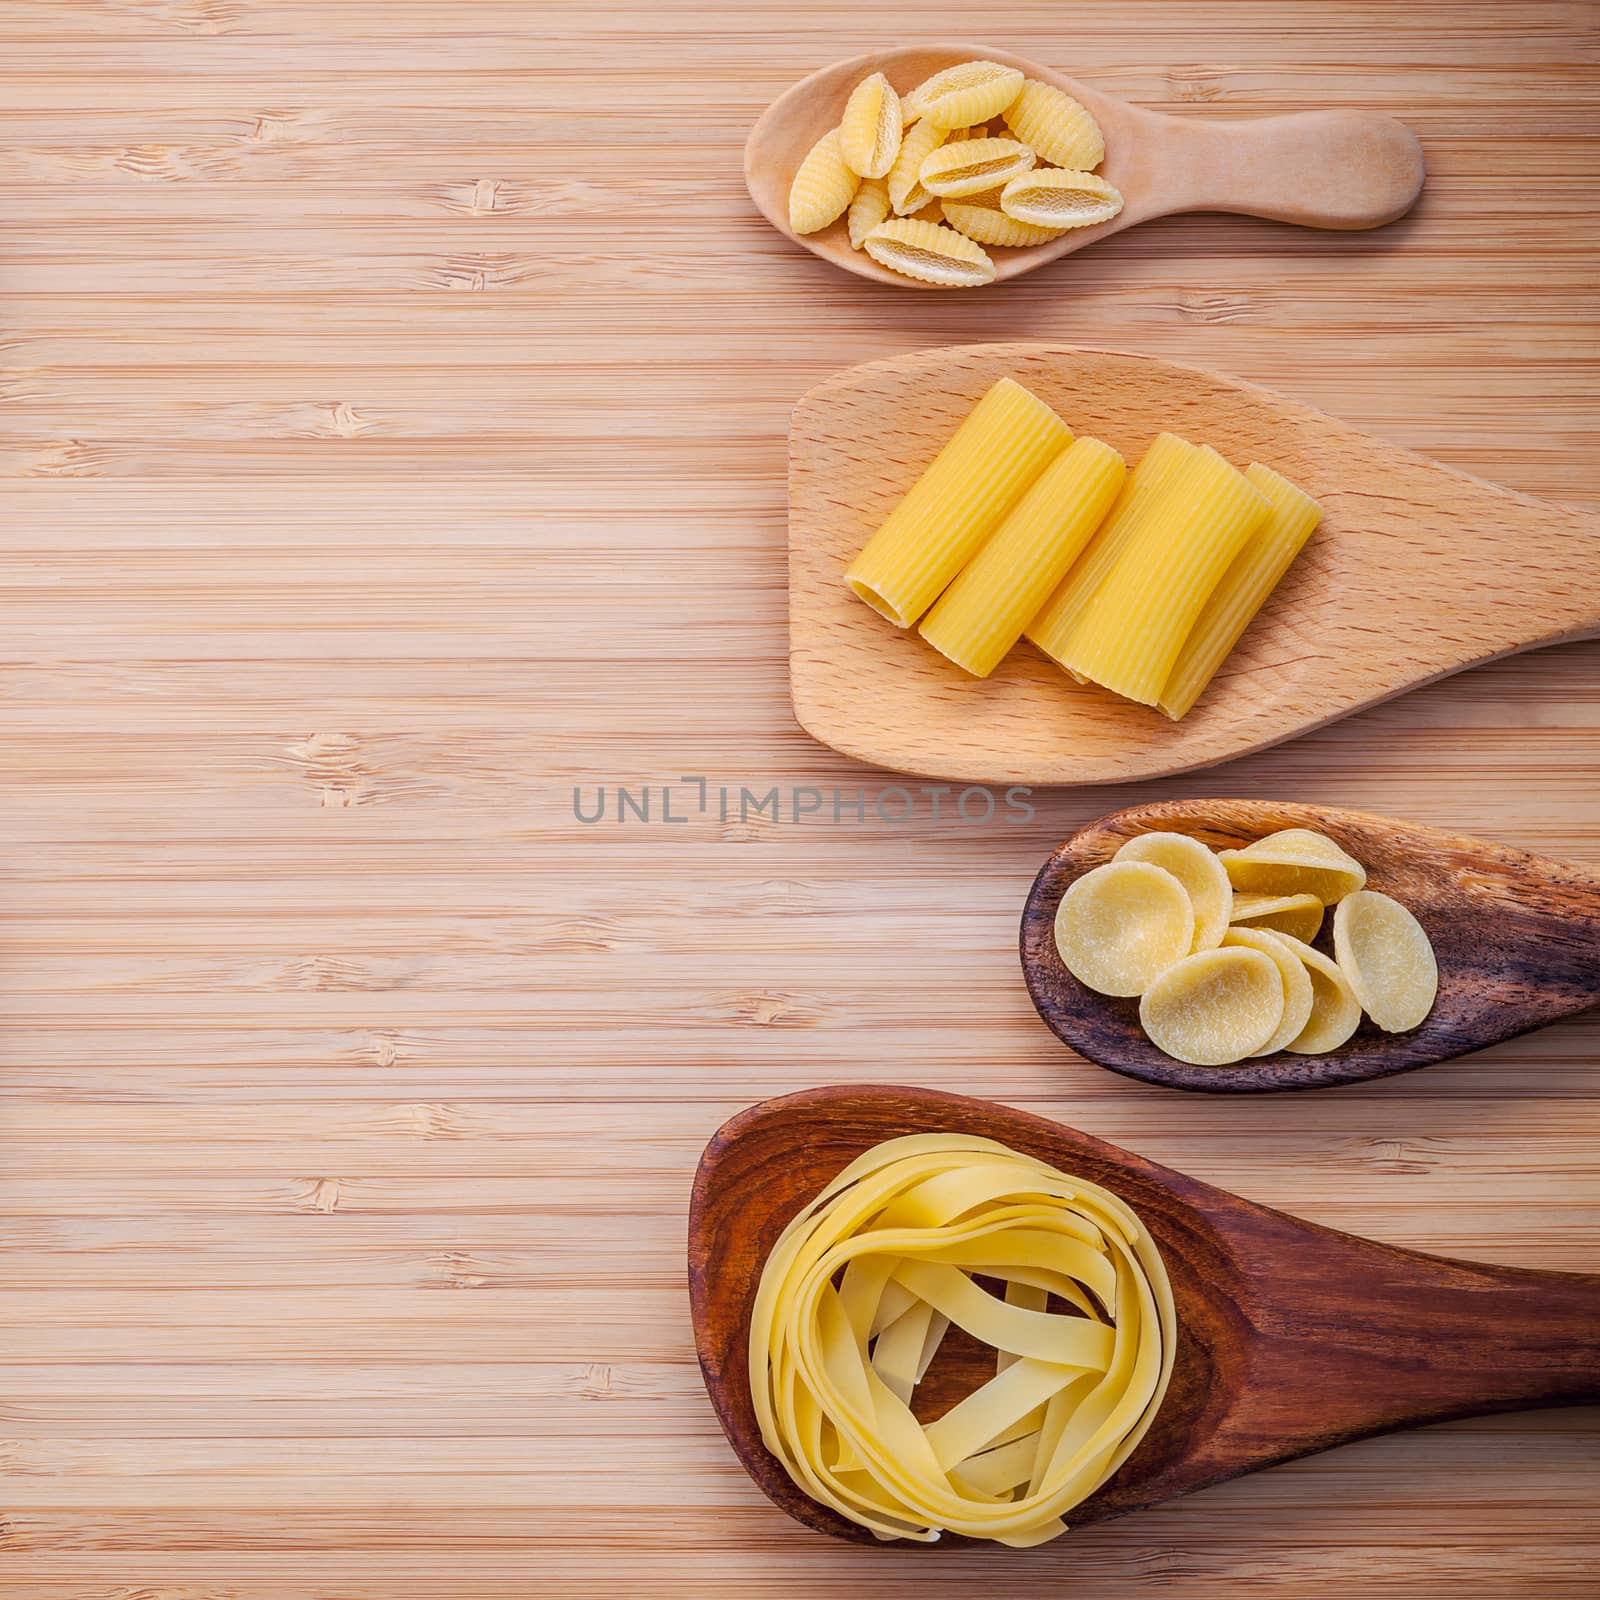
[
  {"x": 822, "y": 188},
  {"x": 867, "y": 210},
  {"x": 1120, "y": 926},
  {"x": 929, "y": 251},
  {"x": 981, "y": 615},
  {"x": 870, "y": 131},
  {"x": 1204, "y": 879},
  {"x": 1214, "y": 1007},
  {"x": 962, "y": 95},
  {"x": 1051, "y": 198},
  {"x": 906, "y": 193},
  {"x": 1384, "y": 952},
  {"x": 1056, "y": 127},
  {"x": 965, "y": 494},
  {"x": 970, "y": 166},
  {"x": 979, "y": 217},
  {"x": 855, "y": 1299}
]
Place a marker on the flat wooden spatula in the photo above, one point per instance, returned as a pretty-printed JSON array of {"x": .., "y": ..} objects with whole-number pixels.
[
  {"x": 1416, "y": 572},
  {"x": 1292, "y": 1337}
]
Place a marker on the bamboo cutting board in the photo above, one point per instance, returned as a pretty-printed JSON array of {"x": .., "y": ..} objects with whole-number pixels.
[{"x": 389, "y": 446}]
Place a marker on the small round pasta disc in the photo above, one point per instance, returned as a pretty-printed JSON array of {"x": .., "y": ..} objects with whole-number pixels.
[
  {"x": 1121, "y": 925},
  {"x": 1214, "y": 1007},
  {"x": 1292, "y": 970},
  {"x": 1196, "y": 867},
  {"x": 1298, "y": 915},
  {"x": 958, "y": 97},
  {"x": 1386, "y": 954},
  {"x": 929, "y": 251},
  {"x": 1335, "y": 1011},
  {"x": 1295, "y": 861}
]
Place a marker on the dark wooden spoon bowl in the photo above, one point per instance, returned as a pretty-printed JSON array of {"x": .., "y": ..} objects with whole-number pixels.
[
  {"x": 1292, "y": 1338},
  {"x": 1517, "y": 938}
]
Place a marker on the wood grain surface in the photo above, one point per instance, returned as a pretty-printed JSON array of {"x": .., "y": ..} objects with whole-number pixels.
[{"x": 392, "y": 414}]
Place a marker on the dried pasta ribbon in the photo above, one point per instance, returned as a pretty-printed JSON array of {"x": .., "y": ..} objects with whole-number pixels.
[
  {"x": 906, "y": 193},
  {"x": 855, "y": 1298},
  {"x": 962, "y": 95},
  {"x": 1050, "y": 198},
  {"x": 822, "y": 188},
  {"x": 869, "y": 134},
  {"x": 979, "y": 217},
  {"x": 1057, "y": 128},
  {"x": 867, "y": 210},
  {"x": 969, "y": 166},
  {"x": 929, "y": 251}
]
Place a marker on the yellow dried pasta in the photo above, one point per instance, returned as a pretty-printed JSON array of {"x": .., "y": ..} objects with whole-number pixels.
[
  {"x": 1160, "y": 465},
  {"x": 1295, "y": 861},
  {"x": 1296, "y": 981},
  {"x": 871, "y": 128},
  {"x": 965, "y": 494},
  {"x": 1256, "y": 571},
  {"x": 961, "y": 95},
  {"x": 982, "y": 614},
  {"x": 1129, "y": 638},
  {"x": 1387, "y": 956},
  {"x": 979, "y": 217},
  {"x": 822, "y": 188},
  {"x": 1049, "y": 197},
  {"x": 930, "y": 252},
  {"x": 1056, "y": 127},
  {"x": 906, "y": 193},
  {"x": 854, "y": 1301},
  {"x": 1297, "y": 915},
  {"x": 1121, "y": 925},
  {"x": 1214, "y": 1007},
  {"x": 1335, "y": 1011},
  {"x": 867, "y": 210},
  {"x": 969, "y": 166},
  {"x": 1196, "y": 867}
]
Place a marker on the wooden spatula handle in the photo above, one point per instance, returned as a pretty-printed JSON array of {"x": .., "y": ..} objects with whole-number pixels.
[{"x": 1321, "y": 169}]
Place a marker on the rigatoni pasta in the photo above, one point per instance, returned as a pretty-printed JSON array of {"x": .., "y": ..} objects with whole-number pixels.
[
  {"x": 983, "y": 612},
  {"x": 971, "y": 487},
  {"x": 1129, "y": 640},
  {"x": 1255, "y": 573}
]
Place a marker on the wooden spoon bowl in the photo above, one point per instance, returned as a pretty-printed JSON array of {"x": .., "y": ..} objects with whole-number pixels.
[
  {"x": 1517, "y": 939},
  {"x": 1321, "y": 169},
  {"x": 1292, "y": 1337},
  {"x": 1416, "y": 572}
]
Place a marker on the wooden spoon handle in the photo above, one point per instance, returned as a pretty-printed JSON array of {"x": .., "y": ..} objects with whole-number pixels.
[{"x": 1320, "y": 169}]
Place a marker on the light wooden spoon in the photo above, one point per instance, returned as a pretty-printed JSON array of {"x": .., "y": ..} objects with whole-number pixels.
[
  {"x": 1517, "y": 938},
  {"x": 1292, "y": 1337},
  {"x": 1416, "y": 572},
  {"x": 1321, "y": 169}
]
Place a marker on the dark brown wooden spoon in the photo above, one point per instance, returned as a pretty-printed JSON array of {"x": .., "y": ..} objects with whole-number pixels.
[
  {"x": 1292, "y": 1337},
  {"x": 1517, "y": 938}
]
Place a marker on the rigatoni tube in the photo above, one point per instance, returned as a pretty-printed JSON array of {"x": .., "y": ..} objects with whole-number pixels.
[
  {"x": 1130, "y": 638},
  {"x": 1053, "y": 626},
  {"x": 1255, "y": 573},
  {"x": 968, "y": 491},
  {"x": 983, "y": 612}
]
